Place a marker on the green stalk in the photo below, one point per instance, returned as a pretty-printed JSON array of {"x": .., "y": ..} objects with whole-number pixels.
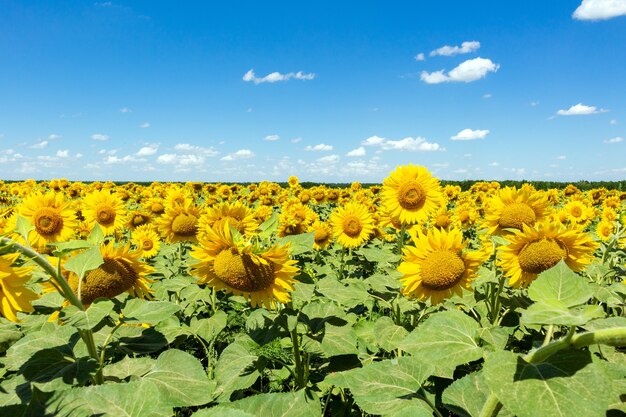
[
  {"x": 342, "y": 262},
  {"x": 495, "y": 300},
  {"x": 300, "y": 378},
  {"x": 104, "y": 347},
  {"x": 401, "y": 239}
]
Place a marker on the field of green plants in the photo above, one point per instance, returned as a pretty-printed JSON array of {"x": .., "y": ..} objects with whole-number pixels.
[{"x": 407, "y": 298}]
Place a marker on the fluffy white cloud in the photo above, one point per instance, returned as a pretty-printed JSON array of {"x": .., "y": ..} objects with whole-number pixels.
[
  {"x": 614, "y": 140},
  {"x": 580, "y": 110},
  {"x": 144, "y": 125},
  {"x": 271, "y": 138},
  {"x": 184, "y": 160},
  {"x": 407, "y": 144},
  {"x": 561, "y": 157},
  {"x": 54, "y": 136},
  {"x": 330, "y": 159},
  {"x": 465, "y": 48},
  {"x": 600, "y": 9},
  {"x": 494, "y": 164},
  {"x": 276, "y": 76},
  {"x": 39, "y": 145},
  {"x": 467, "y": 71},
  {"x": 63, "y": 154},
  {"x": 320, "y": 147},
  {"x": 99, "y": 136},
  {"x": 296, "y": 140},
  {"x": 469, "y": 134},
  {"x": 613, "y": 122},
  {"x": 125, "y": 110},
  {"x": 420, "y": 57},
  {"x": 360, "y": 151},
  {"x": 186, "y": 147},
  {"x": 113, "y": 159},
  {"x": 240, "y": 154},
  {"x": 148, "y": 150}
]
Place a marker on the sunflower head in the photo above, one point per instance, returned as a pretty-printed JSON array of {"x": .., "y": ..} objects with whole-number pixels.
[
  {"x": 352, "y": 224},
  {"x": 513, "y": 208},
  {"x": 14, "y": 296}
]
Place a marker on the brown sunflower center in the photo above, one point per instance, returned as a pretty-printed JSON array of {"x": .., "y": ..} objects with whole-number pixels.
[
  {"x": 47, "y": 221},
  {"x": 541, "y": 255},
  {"x": 157, "y": 208},
  {"x": 321, "y": 235},
  {"x": 147, "y": 244},
  {"x": 441, "y": 270},
  {"x": 464, "y": 216},
  {"x": 352, "y": 225},
  {"x": 105, "y": 214},
  {"x": 138, "y": 220},
  {"x": 411, "y": 195},
  {"x": 109, "y": 280},
  {"x": 240, "y": 272},
  {"x": 576, "y": 211},
  {"x": 442, "y": 220},
  {"x": 516, "y": 215},
  {"x": 185, "y": 224}
]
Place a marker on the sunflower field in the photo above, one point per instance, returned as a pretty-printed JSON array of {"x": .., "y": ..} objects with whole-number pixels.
[{"x": 407, "y": 298}]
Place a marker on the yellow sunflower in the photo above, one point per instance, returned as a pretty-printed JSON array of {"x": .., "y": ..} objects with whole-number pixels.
[
  {"x": 536, "y": 249},
  {"x": 147, "y": 241},
  {"x": 236, "y": 215},
  {"x": 263, "y": 277},
  {"x": 14, "y": 296},
  {"x": 323, "y": 235},
  {"x": 512, "y": 208},
  {"x": 438, "y": 266},
  {"x": 121, "y": 271},
  {"x": 604, "y": 229},
  {"x": 51, "y": 215},
  {"x": 411, "y": 194},
  {"x": 179, "y": 223},
  {"x": 104, "y": 208},
  {"x": 579, "y": 212},
  {"x": 352, "y": 225}
]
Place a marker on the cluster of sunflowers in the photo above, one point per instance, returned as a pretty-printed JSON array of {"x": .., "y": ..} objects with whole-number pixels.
[{"x": 452, "y": 232}]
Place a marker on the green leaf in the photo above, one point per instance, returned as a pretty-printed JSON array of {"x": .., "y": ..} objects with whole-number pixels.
[
  {"x": 138, "y": 311},
  {"x": 269, "y": 226},
  {"x": 35, "y": 341},
  {"x": 445, "y": 340},
  {"x": 62, "y": 248},
  {"x": 137, "y": 339},
  {"x": 208, "y": 329},
  {"x": 96, "y": 237},
  {"x": 338, "y": 340},
  {"x": 85, "y": 261},
  {"x": 300, "y": 244},
  {"x": 562, "y": 284},
  {"x": 23, "y": 227},
  {"x": 379, "y": 255},
  {"x": 555, "y": 312},
  {"x": 606, "y": 323},
  {"x": 388, "y": 334},
  {"x": 387, "y": 387},
  {"x": 129, "y": 367},
  {"x": 9, "y": 334},
  {"x": 349, "y": 296},
  {"x": 287, "y": 404},
  {"x": 566, "y": 384},
  {"x": 15, "y": 390},
  {"x": 235, "y": 368},
  {"x": 57, "y": 369},
  {"x": 181, "y": 379},
  {"x": 89, "y": 318},
  {"x": 466, "y": 396},
  {"x": 495, "y": 337}
]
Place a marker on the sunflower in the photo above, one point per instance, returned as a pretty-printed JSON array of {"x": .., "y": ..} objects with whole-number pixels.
[
  {"x": 512, "y": 208},
  {"x": 177, "y": 197},
  {"x": 579, "y": 212},
  {"x": 411, "y": 194},
  {"x": 136, "y": 218},
  {"x": 536, "y": 249},
  {"x": 106, "y": 209},
  {"x": 295, "y": 218},
  {"x": 293, "y": 181},
  {"x": 604, "y": 229},
  {"x": 352, "y": 224},
  {"x": 147, "y": 241},
  {"x": 51, "y": 215},
  {"x": 438, "y": 266},
  {"x": 323, "y": 235},
  {"x": 121, "y": 271},
  {"x": 236, "y": 215},
  {"x": 179, "y": 223},
  {"x": 14, "y": 296},
  {"x": 263, "y": 277}
]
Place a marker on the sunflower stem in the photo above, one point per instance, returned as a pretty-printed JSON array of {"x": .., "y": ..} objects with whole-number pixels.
[
  {"x": 495, "y": 300},
  {"x": 341, "y": 262},
  {"x": 300, "y": 374},
  {"x": 103, "y": 349},
  {"x": 401, "y": 238}
]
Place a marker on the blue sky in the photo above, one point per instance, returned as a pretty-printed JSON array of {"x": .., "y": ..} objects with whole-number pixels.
[{"x": 328, "y": 91}]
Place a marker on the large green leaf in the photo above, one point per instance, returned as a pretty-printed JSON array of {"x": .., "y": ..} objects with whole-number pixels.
[
  {"x": 181, "y": 379},
  {"x": 560, "y": 283},
  {"x": 208, "y": 329},
  {"x": 89, "y": 318},
  {"x": 388, "y": 334},
  {"x": 299, "y": 244},
  {"x": 235, "y": 368},
  {"x": 445, "y": 340},
  {"x": 57, "y": 369},
  {"x": 129, "y": 367},
  {"x": 140, "y": 311},
  {"x": 466, "y": 396},
  {"x": 85, "y": 261},
  {"x": 9, "y": 334},
  {"x": 33, "y": 342},
  {"x": 349, "y": 296},
  {"x": 338, "y": 340},
  {"x": 287, "y": 404},
  {"x": 556, "y": 312},
  {"x": 567, "y": 384},
  {"x": 387, "y": 387}
]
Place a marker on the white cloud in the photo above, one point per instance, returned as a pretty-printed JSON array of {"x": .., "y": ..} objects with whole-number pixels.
[
  {"x": 113, "y": 159},
  {"x": 469, "y": 134},
  {"x": 600, "y": 9},
  {"x": 320, "y": 147},
  {"x": 63, "y": 154},
  {"x": 39, "y": 145},
  {"x": 184, "y": 160},
  {"x": 360, "y": 151},
  {"x": 330, "y": 159},
  {"x": 613, "y": 122},
  {"x": 99, "y": 136},
  {"x": 580, "y": 110},
  {"x": 465, "y": 48},
  {"x": 54, "y": 136},
  {"x": 467, "y": 71},
  {"x": 271, "y": 138},
  {"x": 125, "y": 110},
  {"x": 407, "y": 144},
  {"x": 296, "y": 140},
  {"x": 240, "y": 154},
  {"x": 487, "y": 95},
  {"x": 614, "y": 140},
  {"x": 561, "y": 157},
  {"x": 420, "y": 57},
  {"x": 494, "y": 164},
  {"x": 148, "y": 150},
  {"x": 144, "y": 125},
  {"x": 186, "y": 147},
  {"x": 534, "y": 103},
  {"x": 277, "y": 76}
]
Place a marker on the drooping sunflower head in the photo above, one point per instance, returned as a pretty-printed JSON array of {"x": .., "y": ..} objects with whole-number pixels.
[
  {"x": 262, "y": 276},
  {"x": 106, "y": 209},
  {"x": 438, "y": 266},
  {"x": 512, "y": 208},
  {"x": 352, "y": 224},
  {"x": 179, "y": 223},
  {"x": 323, "y": 235},
  {"x": 537, "y": 249},
  {"x": 14, "y": 296},
  {"x": 411, "y": 194},
  {"x": 295, "y": 218},
  {"x": 121, "y": 271}
]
